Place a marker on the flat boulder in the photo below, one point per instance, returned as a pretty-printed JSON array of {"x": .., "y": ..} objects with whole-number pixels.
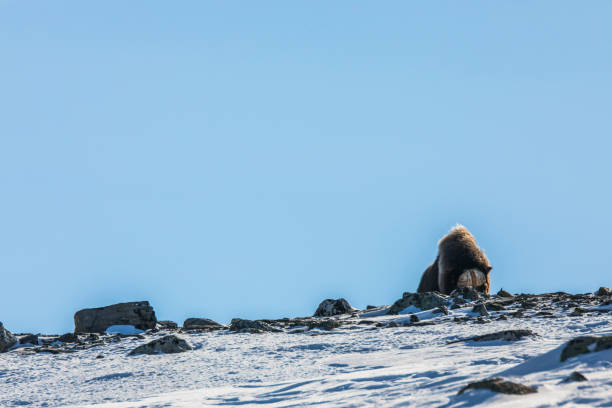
[
  {"x": 585, "y": 345},
  {"x": 68, "y": 338},
  {"x": 164, "y": 345},
  {"x": 604, "y": 291},
  {"x": 505, "y": 335},
  {"x": 196, "y": 323},
  {"x": 7, "y": 340},
  {"x": 97, "y": 320},
  {"x": 251, "y": 326},
  {"x": 423, "y": 301},
  {"x": 499, "y": 385},
  {"x": 333, "y": 307},
  {"x": 29, "y": 339},
  {"x": 167, "y": 325}
]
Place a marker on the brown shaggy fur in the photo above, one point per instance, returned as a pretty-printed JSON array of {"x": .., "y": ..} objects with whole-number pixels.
[{"x": 457, "y": 252}]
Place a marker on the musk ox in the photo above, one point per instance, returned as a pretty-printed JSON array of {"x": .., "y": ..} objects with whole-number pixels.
[{"x": 460, "y": 262}]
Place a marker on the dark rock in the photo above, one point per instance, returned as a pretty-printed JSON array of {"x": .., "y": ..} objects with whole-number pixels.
[
  {"x": 482, "y": 320},
  {"x": 100, "y": 356},
  {"x": 97, "y": 320},
  {"x": 584, "y": 345},
  {"x": 167, "y": 325},
  {"x": 370, "y": 307},
  {"x": 165, "y": 345},
  {"x": 333, "y": 307},
  {"x": 603, "y": 291},
  {"x": 414, "y": 318},
  {"x": 575, "y": 377},
  {"x": 503, "y": 293},
  {"x": 497, "y": 306},
  {"x": 481, "y": 309},
  {"x": 467, "y": 293},
  {"x": 251, "y": 326},
  {"x": 423, "y": 301},
  {"x": 505, "y": 335},
  {"x": 578, "y": 311},
  {"x": 528, "y": 305},
  {"x": 459, "y": 301},
  {"x": 366, "y": 322},
  {"x": 68, "y": 338},
  {"x": 441, "y": 309},
  {"x": 327, "y": 324},
  {"x": 29, "y": 339},
  {"x": 7, "y": 340},
  {"x": 194, "y": 323},
  {"x": 455, "y": 306},
  {"x": 499, "y": 385},
  {"x": 392, "y": 324}
]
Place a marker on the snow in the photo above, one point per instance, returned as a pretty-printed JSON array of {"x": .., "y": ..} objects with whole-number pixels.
[
  {"x": 123, "y": 329},
  {"x": 358, "y": 365}
]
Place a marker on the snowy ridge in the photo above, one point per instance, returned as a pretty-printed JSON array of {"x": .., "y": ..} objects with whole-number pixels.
[{"x": 367, "y": 364}]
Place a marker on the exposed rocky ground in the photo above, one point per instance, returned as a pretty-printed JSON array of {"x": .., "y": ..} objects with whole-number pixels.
[{"x": 424, "y": 349}]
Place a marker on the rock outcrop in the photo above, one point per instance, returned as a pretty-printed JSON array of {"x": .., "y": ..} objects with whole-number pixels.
[
  {"x": 499, "y": 385},
  {"x": 584, "y": 345},
  {"x": 604, "y": 291},
  {"x": 333, "y": 307},
  {"x": 195, "y": 323},
  {"x": 164, "y": 345},
  {"x": 7, "y": 340},
  {"x": 505, "y": 335},
  {"x": 29, "y": 339},
  {"x": 423, "y": 301},
  {"x": 97, "y": 320},
  {"x": 251, "y": 326}
]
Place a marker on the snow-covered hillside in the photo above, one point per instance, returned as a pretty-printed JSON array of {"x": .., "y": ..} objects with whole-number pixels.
[{"x": 372, "y": 359}]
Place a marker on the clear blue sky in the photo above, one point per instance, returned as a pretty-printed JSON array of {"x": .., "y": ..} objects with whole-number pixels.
[{"x": 249, "y": 159}]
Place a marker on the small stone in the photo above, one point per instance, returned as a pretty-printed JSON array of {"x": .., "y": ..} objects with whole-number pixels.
[
  {"x": 503, "y": 293},
  {"x": 414, "y": 318},
  {"x": 165, "y": 345},
  {"x": 68, "y": 338},
  {"x": 575, "y": 377},
  {"x": 603, "y": 291},
  {"x": 578, "y": 311},
  {"x": 441, "y": 309},
  {"x": 499, "y": 385},
  {"x": 333, "y": 307},
  {"x": 392, "y": 324},
  {"x": 481, "y": 309},
  {"x": 370, "y": 307},
  {"x": 100, "y": 356}
]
